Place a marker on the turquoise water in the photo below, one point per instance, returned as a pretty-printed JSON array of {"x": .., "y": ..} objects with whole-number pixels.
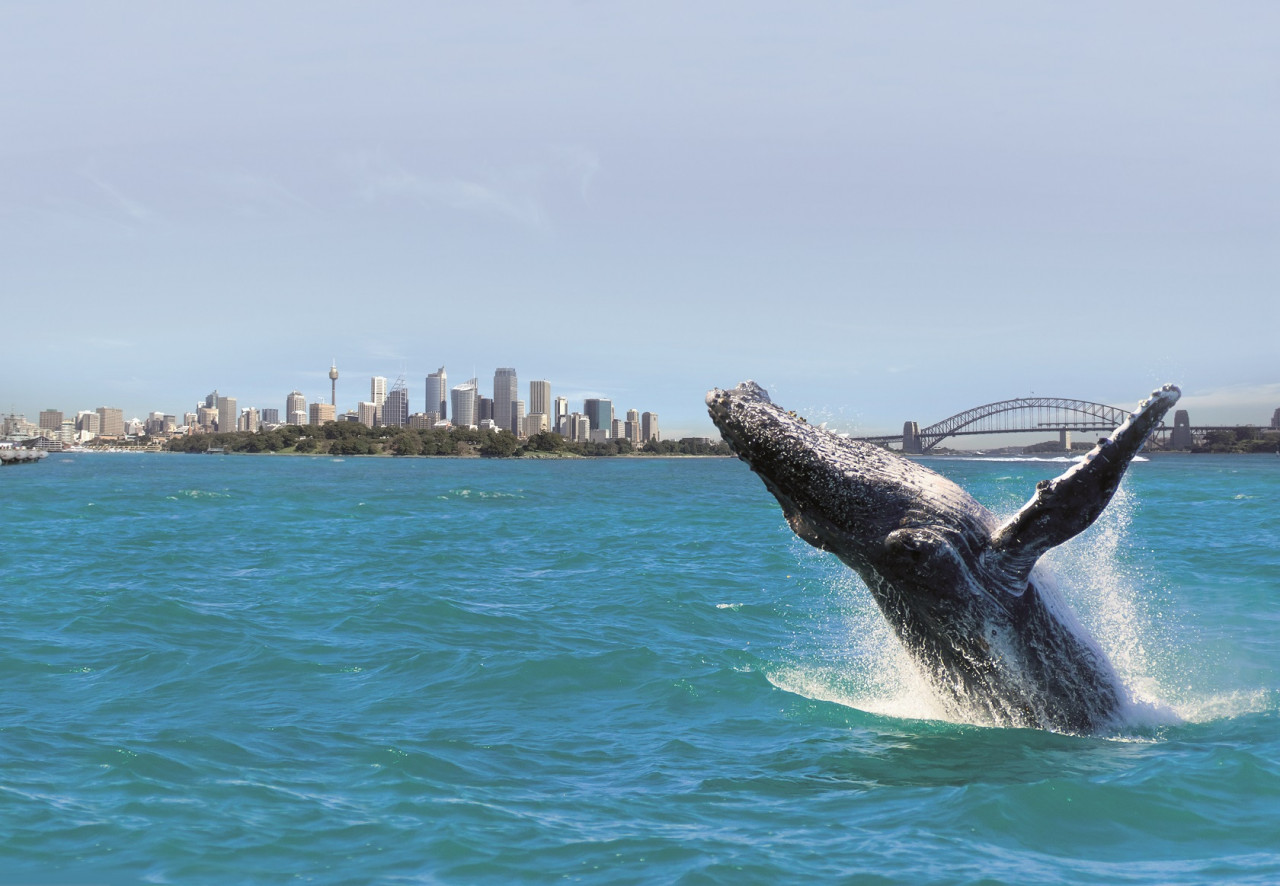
[{"x": 271, "y": 669}]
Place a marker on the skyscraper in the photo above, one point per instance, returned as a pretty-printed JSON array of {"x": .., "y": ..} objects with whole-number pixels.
[
  {"x": 110, "y": 422},
  {"x": 437, "y": 393},
  {"x": 295, "y": 409},
  {"x": 395, "y": 411},
  {"x": 228, "y": 414},
  {"x": 505, "y": 391},
  {"x": 321, "y": 413},
  {"x": 463, "y": 406},
  {"x": 517, "y": 418},
  {"x": 649, "y": 427},
  {"x": 378, "y": 396},
  {"x": 51, "y": 419},
  {"x": 540, "y": 397},
  {"x": 559, "y": 412},
  {"x": 600, "y": 412}
]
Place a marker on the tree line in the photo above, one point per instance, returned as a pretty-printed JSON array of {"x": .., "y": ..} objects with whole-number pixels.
[{"x": 353, "y": 438}]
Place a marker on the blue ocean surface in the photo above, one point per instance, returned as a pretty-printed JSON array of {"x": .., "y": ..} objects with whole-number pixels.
[{"x": 270, "y": 669}]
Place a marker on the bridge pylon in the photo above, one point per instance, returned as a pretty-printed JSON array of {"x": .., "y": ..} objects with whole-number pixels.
[{"x": 911, "y": 438}]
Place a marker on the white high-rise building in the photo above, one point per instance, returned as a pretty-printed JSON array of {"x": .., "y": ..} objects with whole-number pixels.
[
  {"x": 366, "y": 413},
  {"x": 560, "y": 411},
  {"x": 249, "y": 420},
  {"x": 295, "y": 409},
  {"x": 463, "y": 405},
  {"x": 378, "y": 396},
  {"x": 505, "y": 391},
  {"x": 437, "y": 393}
]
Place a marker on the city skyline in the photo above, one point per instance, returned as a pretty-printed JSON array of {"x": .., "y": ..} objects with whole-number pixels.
[{"x": 879, "y": 213}]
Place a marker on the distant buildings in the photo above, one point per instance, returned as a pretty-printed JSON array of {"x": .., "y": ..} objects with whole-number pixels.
[
  {"x": 227, "y": 414},
  {"x": 110, "y": 422},
  {"x": 600, "y": 412},
  {"x": 505, "y": 391},
  {"x": 437, "y": 393},
  {"x": 395, "y": 409},
  {"x": 295, "y": 409},
  {"x": 462, "y": 405}
]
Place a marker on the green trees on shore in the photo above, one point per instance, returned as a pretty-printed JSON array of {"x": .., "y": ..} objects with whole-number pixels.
[{"x": 352, "y": 438}]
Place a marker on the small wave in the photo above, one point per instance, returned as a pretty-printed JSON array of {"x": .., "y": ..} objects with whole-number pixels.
[
  {"x": 198, "y": 493},
  {"x": 734, "y": 606},
  {"x": 477, "y": 495}
]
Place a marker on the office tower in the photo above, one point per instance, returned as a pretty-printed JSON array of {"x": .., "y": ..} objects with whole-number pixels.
[
  {"x": 517, "y": 418},
  {"x": 649, "y": 427},
  {"x": 395, "y": 410},
  {"x": 600, "y": 411},
  {"x": 333, "y": 384},
  {"x": 617, "y": 429},
  {"x": 366, "y": 413},
  {"x": 271, "y": 416},
  {"x": 505, "y": 391},
  {"x": 295, "y": 408},
  {"x": 560, "y": 410},
  {"x": 1275, "y": 419},
  {"x": 321, "y": 413},
  {"x": 378, "y": 396},
  {"x": 438, "y": 393},
  {"x": 540, "y": 397},
  {"x": 463, "y": 405},
  {"x": 249, "y": 420},
  {"x": 484, "y": 410},
  {"x": 88, "y": 423},
  {"x": 227, "y": 414},
  {"x": 51, "y": 419},
  {"x": 423, "y": 421},
  {"x": 631, "y": 430},
  {"x": 211, "y": 400},
  {"x": 110, "y": 422},
  {"x": 536, "y": 423}
]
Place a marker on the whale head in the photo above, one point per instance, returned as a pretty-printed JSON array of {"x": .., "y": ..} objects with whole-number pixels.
[{"x": 875, "y": 510}]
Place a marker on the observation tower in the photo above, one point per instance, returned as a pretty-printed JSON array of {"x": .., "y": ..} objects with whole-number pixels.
[{"x": 333, "y": 383}]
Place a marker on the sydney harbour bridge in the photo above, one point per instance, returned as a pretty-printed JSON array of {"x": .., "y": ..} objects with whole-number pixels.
[{"x": 1032, "y": 415}]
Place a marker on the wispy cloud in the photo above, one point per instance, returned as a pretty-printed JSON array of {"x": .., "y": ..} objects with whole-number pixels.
[
  {"x": 121, "y": 203},
  {"x": 381, "y": 179}
]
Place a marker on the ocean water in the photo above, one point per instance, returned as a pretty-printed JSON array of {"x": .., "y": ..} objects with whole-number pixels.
[{"x": 254, "y": 669}]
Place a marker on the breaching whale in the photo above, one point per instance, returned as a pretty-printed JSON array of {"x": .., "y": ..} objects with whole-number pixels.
[{"x": 961, "y": 589}]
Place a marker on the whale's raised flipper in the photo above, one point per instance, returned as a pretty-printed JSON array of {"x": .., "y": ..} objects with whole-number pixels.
[{"x": 1064, "y": 507}]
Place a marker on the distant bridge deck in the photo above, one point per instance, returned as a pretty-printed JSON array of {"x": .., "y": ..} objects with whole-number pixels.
[{"x": 1025, "y": 415}]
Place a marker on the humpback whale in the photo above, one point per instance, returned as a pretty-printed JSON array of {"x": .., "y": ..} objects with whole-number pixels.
[{"x": 961, "y": 589}]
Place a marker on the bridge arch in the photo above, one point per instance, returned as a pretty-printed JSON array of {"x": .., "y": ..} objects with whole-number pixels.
[{"x": 1022, "y": 415}]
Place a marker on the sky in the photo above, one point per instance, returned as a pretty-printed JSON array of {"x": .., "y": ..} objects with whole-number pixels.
[{"x": 880, "y": 211}]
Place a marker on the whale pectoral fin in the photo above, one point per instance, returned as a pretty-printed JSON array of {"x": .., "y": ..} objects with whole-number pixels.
[{"x": 1064, "y": 507}]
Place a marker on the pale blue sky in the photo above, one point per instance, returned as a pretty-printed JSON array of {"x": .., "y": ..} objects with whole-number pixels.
[{"x": 881, "y": 211}]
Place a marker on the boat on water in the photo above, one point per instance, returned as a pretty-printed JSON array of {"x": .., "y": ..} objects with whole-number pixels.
[{"x": 20, "y": 456}]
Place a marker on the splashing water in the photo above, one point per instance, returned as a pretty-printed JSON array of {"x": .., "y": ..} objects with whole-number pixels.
[{"x": 1114, "y": 594}]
